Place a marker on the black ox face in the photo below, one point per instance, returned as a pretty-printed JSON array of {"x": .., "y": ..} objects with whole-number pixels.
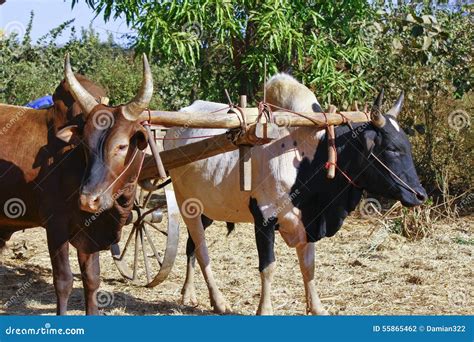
[{"x": 391, "y": 171}]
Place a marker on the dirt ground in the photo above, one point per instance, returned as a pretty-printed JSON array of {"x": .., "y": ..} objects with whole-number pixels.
[{"x": 363, "y": 270}]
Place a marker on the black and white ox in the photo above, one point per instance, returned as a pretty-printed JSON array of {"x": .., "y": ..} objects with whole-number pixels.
[{"x": 291, "y": 192}]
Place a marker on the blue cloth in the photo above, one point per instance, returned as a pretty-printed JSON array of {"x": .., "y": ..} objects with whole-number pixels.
[{"x": 42, "y": 102}]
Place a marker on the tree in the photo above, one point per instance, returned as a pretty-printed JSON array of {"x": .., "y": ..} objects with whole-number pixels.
[{"x": 228, "y": 42}]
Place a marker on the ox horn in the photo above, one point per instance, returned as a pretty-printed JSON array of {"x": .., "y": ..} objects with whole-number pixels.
[
  {"x": 375, "y": 112},
  {"x": 79, "y": 93},
  {"x": 133, "y": 109},
  {"x": 397, "y": 107}
]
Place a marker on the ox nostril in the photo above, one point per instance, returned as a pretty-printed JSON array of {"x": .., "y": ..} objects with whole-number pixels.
[
  {"x": 421, "y": 197},
  {"x": 89, "y": 202},
  {"x": 94, "y": 202}
]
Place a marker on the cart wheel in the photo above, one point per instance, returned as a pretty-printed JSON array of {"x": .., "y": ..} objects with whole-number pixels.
[{"x": 148, "y": 243}]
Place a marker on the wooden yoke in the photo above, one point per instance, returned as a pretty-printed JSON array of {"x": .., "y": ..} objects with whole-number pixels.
[
  {"x": 331, "y": 146},
  {"x": 256, "y": 133}
]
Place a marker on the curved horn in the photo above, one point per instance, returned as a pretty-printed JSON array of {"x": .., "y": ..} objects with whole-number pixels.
[
  {"x": 397, "y": 107},
  {"x": 375, "y": 112},
  {"x": 79, "y": 93},
  {"x": 133, "y": 109}
]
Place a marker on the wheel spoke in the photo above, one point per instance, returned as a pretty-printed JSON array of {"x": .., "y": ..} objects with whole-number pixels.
[
  {"x": 145, "y": 257},
  {"x": 150, "y": 241},
  {"x": 157, "y": 228},
  {"x": 127, "y": 243},
  {"x": 141, "y": 196},
  {"x": 161, "y": 246},
  {"x": 148, "y": 196},
  {"x": 135, "y": 260}
]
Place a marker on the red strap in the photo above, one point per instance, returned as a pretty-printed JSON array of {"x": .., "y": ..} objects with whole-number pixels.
[{"x": 328, "y": 164}]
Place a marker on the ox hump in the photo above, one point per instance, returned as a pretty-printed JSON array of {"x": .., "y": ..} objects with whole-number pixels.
[
  {"x": 205, "y": 107},
  {"x": 285, "y": 91}
]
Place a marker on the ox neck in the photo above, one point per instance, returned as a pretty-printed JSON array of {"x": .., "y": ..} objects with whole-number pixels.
[{"x": 351, "y": 153}]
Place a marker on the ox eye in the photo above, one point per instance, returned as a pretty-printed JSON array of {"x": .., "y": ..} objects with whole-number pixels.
[{"x": 122, "y": 147}]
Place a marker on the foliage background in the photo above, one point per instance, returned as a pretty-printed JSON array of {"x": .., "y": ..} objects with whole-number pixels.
[{"x": 343, "y": 50}]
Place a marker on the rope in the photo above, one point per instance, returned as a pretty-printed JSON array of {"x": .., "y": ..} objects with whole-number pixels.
[
  {"x": 125, "y": 170},
  {"x": 394, "y": 175},
  {"x": 194, "y": 137},
  {"x": 349, "y": 179},
  {"x": 316, "y": 123},
  {"x": 243, "y": 123}
]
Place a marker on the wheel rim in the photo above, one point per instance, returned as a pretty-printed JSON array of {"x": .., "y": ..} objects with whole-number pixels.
[{"x": 149, "y": 244}]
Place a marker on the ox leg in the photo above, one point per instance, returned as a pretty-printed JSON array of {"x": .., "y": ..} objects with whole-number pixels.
[
  {"x": 62, "y": 276},
  {"x": 306, "y": 259},
  {"x": 189, "y": 292},
  {"x": 265, "y": 239},
  {"x": 196, "y": 230},
  {"x": 90, "y": 273},
  {"x": 4, "y": 237}
]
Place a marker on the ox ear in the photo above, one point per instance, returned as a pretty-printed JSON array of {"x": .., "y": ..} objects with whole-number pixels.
[
  {"x": 369, "y": 141},
  {"x": 69, "y": 134},
  {"x": 141, "y": 140}
]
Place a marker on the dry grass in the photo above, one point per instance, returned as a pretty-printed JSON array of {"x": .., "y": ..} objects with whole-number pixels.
[{"x": 363, "y": 270}]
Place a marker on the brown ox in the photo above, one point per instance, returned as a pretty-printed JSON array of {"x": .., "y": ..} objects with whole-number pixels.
[{"x": 42, "y": 178}]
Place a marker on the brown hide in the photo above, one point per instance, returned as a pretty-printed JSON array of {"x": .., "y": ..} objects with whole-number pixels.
[
  {"x": 42, "y": 176},
  {"x": 45, "y": 174},
  {"x": 64, "y": 105}
]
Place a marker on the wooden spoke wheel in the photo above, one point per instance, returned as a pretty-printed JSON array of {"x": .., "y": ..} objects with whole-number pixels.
[{"x": 148, "y": 247}]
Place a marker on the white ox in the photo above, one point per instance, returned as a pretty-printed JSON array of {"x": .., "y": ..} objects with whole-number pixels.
[
  {"x": 290, "y": 190},
  {"x": 213, "y": 185}
]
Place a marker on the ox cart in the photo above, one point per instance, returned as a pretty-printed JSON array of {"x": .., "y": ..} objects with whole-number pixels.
[{"x": 145, "y": 241}]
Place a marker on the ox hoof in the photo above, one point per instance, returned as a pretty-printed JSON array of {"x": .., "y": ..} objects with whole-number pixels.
[
  {"x": 318, "y": 312},
  {"x": 189, "y": 297},
  {"x": 265, "y": 311},
  {"x": 220, "y": 305}
]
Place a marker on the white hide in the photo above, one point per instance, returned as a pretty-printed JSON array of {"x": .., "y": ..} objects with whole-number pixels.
[
  {"x": 214, "y": 181},
  {"x": 394, "y": 124}
]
